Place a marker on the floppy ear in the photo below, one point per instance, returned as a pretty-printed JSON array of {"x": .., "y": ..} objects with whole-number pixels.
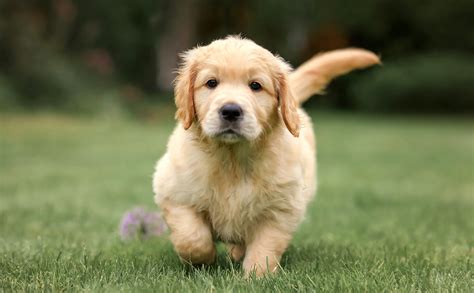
[
  {"x": 288, "y": 106},
  {"x": 184, "y": 91}
]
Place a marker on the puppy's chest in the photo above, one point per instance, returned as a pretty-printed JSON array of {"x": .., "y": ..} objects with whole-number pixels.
[{"x": 236, "y": 206}]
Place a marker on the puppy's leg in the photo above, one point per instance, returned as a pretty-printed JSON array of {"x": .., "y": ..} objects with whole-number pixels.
[
  {"x": 190, "y": 233},
  {"x": 236, "y": 251},
  {"x": 264, "y": 251}
]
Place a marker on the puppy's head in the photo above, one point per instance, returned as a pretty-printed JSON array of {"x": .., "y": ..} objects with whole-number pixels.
[{"x": 233, "y": 89}]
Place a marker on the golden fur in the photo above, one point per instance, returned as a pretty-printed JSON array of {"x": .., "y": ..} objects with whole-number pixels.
[{"x": 249, "y": 190}]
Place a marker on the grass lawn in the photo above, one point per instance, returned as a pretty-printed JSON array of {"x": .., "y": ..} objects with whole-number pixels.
[{"x": 394, "y": 211}]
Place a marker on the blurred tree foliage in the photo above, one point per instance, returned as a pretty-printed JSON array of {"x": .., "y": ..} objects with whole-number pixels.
[
  {"x": 428, "y": 82},
  {"x": 70, "y": 53}
]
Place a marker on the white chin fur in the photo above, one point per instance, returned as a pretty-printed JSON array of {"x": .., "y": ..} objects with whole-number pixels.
[
  {"x": 230, "y": 138},
  {"x": 248, "y": 130}
]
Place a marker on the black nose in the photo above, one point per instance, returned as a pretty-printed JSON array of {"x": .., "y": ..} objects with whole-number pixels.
[{"x": 231, "y": 112}]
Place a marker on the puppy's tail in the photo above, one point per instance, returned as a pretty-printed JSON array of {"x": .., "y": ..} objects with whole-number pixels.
[{"x": 312, "y": 76}]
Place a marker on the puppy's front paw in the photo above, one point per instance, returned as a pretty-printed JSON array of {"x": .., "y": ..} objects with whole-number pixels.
[
  {"x": 196, "y": 253},
  {"x": 260, "y": 266},
  {"x": 190, "y": 233}
]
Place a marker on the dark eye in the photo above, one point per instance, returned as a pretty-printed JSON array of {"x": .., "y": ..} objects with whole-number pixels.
[
  {"x": 211, "y": 83},
  {"x": 255, "y": 86}
]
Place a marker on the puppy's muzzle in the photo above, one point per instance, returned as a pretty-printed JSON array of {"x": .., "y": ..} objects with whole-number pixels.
[{"x": 231, "y": 113}]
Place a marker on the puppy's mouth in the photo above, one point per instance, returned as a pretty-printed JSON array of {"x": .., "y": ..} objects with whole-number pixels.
[{"x": 229, "y": 135}]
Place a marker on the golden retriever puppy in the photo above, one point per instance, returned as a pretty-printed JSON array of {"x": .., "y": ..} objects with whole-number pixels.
[{"x": 240, "y": 166}]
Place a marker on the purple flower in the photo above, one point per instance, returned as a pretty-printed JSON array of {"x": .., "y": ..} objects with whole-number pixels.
[{"x": 141, "y": 224}]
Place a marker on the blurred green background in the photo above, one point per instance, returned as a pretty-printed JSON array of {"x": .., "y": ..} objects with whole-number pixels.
[{"x": 89, "y": 56}]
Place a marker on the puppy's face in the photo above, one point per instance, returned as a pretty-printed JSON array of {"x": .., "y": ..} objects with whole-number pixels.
[{"x": 232, "y": 89}]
